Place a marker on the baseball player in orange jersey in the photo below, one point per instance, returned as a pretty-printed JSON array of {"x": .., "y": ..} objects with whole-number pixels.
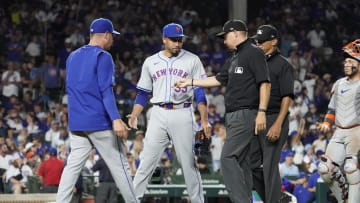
[
  {"x": 344, "y": 112},
  {"x": 172, "y": 117}
]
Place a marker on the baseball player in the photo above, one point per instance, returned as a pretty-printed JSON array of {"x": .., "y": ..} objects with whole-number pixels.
[
  {"x": 172, "y": 117},
  {"x": 344, "y": 112},
  {"x": 94, "y": 120}
]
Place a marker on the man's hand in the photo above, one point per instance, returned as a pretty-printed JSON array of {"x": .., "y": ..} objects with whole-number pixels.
[
  {"x": 207, "y": 128},
  {"x": 132, "y": 121},
  {"x": 120, "y": 128},
  {"x": 182, "y": 83},
  {"x": 274, "y": 132},
  {"x": 323, "y": 127},
  {"x": 260, "y": 122}
]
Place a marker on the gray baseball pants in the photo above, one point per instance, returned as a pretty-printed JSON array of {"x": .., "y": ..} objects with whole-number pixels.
[
  {"x": 235, "y": 159},
  {"x": 108, "y": 146}
]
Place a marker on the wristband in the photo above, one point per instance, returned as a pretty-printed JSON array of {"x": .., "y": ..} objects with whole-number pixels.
[
  {"x": 262, "y": 110},
  {"x": 192, "y": 82}
]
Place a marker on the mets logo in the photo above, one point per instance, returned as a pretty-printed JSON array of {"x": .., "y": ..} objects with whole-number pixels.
[
  {"x": 259, "y": 32},
  {"x": 178, "y": 29},
  {"x": 239, "y": 70}
]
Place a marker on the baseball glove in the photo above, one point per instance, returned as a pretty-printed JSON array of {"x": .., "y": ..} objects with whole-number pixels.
[{"x": 202, "y": 143}]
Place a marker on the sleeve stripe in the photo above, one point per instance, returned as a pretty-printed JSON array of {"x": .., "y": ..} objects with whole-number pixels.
[{"x": 142, "y": 89}]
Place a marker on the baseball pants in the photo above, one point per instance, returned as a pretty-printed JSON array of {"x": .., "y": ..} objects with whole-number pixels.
[
  {"x": 177, "y": 125},
  {"x": 108, "y": 146},
  {"x": 265, "y": 157},
  {"x": 235, "y": 156}
]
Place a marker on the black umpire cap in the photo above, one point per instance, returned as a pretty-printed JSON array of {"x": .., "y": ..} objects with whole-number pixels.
[
  {"x": 265, "y": 33},
  {"x": 232, "y": 25}
]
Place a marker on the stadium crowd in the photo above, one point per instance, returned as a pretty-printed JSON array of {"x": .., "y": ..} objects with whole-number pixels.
[{"x": 36, "y": 38}]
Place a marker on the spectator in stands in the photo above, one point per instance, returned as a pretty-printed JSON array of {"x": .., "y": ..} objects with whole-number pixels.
[
  {"x": 320, "y": 143},
  {"x": 107, "y": 190},
  {"x": 317, "y": 36},
  {"x": 10, "y": 80},
  {"x": 310, "y": 159},
  {"x": 53, "y": 133},
  {"x": 312, "y": 183},
  {"x": 63, "y": 138},
  {"x": 51, "y": 79},
  {"x": 28, "y": 102},
  {"x": 297, "y": 147},
  {"x": 301, "y": 192},
  {"x": 15, "y": 123},
  {"x": 32, "y": 126},
  {"x": 216, "y": 146},
  {"x": 202, "y": 165},
  {"x": 132, "y": 163},
  {"x": 312, "y": 116},
  {"x": 137, "y": 146},
  {"x": 62, "y": 55},
  {"x": 288, "y": 168},
  {"x": 33, "y": 48},
  {"x": 213, "y": 116},
  {"x": 4, "y": 164},
  {"x": 50, "y": 172},
  {"x": 16, "y": 175}
]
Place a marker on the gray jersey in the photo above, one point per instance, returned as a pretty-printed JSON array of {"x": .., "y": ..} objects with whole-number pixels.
[
  {"x": 159, "y": 73},
  {"x": 346, "y": 102}
]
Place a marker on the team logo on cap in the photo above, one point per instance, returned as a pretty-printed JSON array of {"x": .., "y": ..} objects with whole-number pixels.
[
  {"x": 178, "y": 29},
  {"x": 259, "y": 32}
]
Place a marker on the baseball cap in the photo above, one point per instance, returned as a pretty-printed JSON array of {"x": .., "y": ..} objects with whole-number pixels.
[
  {"x": 307, "y": 147},
  {"x": 302, "y": 175},
  {"x": 173, "y": 30},
  {"x": 52, "y": 151},
  {"x": 232, "y": 25},
  {"x": 319, "y": 152},
  {"x": 102, "y": 25},
  {"x": 290, "y": 154},
  {"x": 265, "y": 33}
]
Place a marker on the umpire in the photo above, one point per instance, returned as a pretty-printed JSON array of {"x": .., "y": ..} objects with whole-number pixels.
[
  {"x": 266, "y": 146},
  {"x": 246, "y": 76}
]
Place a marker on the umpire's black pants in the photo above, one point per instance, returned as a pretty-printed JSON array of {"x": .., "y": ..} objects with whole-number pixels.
[
  {"x": 265, "y": 157},
  {"x": 235, "y": 160}
]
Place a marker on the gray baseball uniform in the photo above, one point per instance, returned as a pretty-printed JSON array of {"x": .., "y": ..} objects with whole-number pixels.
[
  {"x": 345, "y": 143},
  {"x": 172, "y": 118}
]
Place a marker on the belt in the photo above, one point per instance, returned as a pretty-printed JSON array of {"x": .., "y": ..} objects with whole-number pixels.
[
  {"x": 348, "y": 127},
  {"x": 169, "y": 106}
]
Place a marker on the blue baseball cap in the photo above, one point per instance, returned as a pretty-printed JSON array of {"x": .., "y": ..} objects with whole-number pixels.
[
  {"x": 102, "y": 25},
  {"x": 290, "y": 154},
  {"x": 173, "y": 30},
  {"x": 53, "y": 151},
  {"x": 302, "y": 175}
]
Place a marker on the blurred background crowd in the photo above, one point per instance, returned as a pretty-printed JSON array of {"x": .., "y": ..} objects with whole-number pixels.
[{"x": 37, "y": 36}]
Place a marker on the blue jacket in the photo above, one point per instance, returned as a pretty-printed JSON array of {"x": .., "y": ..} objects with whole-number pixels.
[{"x": 89, "y": 85}]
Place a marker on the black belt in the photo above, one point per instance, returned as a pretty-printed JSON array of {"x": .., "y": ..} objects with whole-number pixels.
[
  {"x": 174, "y": 106},
  {"x": 83, "y": 134}
]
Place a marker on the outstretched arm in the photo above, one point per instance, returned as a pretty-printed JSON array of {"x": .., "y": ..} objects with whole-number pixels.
[{"x": 206, "y": 82}]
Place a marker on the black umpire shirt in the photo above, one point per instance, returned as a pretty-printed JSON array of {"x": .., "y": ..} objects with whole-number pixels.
[
  {"x": 242, "y": 74},
  {"x": 282, "y": 80}
]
